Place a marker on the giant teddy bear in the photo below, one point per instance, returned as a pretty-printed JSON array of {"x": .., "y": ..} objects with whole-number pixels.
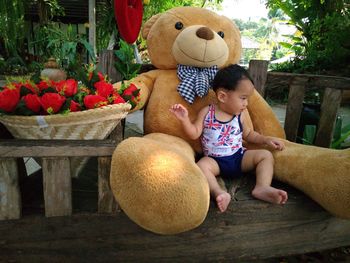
[{"x": 155, "y": 178}]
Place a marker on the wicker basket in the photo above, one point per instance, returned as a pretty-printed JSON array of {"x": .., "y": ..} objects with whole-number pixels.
[{"x": 83, "y": 125}]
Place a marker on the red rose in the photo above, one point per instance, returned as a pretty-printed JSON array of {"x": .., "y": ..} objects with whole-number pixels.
[
  {"x": 52, "y": 102},
  {"x": 131, "y": 90},
  {"x": 84, "y": 89},
  {"x": 8, "y": 99},
  {"x": 100, "y": 76},
  {"x": 136, "y": 99},
  {"x": 32, "y": 102},
  {"x": 58, "y": 85},
  {"x": 43, "y": 85},
  {"x": 67, "y": 87},
  {"x": 34, "y": 89},
  {"x": 103, "y": 88},
  {"x": 74, "y": 106},
  {"x": 90, "y": 74},
  {"x": 94, "y": 101},
  {"x": 117, "y": 99},
  {"x": 14, "y": 85}
]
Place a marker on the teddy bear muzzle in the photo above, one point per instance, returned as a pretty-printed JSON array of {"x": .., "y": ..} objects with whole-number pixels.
[{"x": 200, "y": 46}]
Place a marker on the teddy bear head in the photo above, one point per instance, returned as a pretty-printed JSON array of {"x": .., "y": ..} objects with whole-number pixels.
[{"x": 191, "y": 36}]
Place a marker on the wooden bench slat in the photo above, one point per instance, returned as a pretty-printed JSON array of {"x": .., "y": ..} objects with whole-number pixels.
[
  {"x": 10, "y": 197},
  {"x": 294, "y": 107},
  {"x": 106, "y": 201},
  {"x": 57, "y": 186},
  {"x": 258, "y": 72},
  {"x": 250, "y": 229},
  {"x": 329, "y": 108},
  {"x": 59, "y": 148},
  {"x": 320, "y": 81}
]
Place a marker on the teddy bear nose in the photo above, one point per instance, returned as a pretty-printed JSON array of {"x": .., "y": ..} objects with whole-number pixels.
[{"x": 205, "y": 33}]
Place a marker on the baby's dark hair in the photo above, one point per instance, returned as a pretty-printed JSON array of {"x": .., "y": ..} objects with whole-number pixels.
[{"x": 229, "y": 77}]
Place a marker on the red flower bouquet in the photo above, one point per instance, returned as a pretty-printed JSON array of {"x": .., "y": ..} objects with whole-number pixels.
[
  {"x": 45, "y": 97},
  {"x": 82, "y": 107}
]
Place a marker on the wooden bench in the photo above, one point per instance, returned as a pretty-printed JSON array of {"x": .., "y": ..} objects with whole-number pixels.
[
  {"x": 56, "y": 172},
  {"x": 298, "y": 84},
  {"x": 249, "y": 230}
]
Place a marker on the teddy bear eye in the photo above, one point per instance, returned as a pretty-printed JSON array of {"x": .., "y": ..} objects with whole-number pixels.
[
  {"x": 179, "y": 25},
  {"x": 221, "y": 34}
]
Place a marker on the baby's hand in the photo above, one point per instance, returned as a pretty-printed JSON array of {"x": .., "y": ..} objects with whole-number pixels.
[
  {"x": 179, "y": 111},
  {"x": 275, "y": 143}
]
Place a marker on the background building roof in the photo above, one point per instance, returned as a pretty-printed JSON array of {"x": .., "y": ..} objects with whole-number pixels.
[
  {"x": 76, "y": 11},
  {"x": 248, "y": 43}
]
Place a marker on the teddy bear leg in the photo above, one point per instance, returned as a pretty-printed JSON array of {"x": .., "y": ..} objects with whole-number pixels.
[
  {"x": 321, "y": 173},
  {"x": 158, "y": 185}
]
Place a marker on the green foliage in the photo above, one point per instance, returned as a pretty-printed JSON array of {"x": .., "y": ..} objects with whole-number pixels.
[
  {"x": 309, "y": 134},
  {"x": 155, "y": 7},
  {"x": 340, "y": 135},
  {"x": 11, "y": 27},
  {"x": 17, "y": 66},
  {"x": 14, "y": 66},
  {"x": 263, "y": 32},
  {"x": 47, "y": 9},
  {"x": 66, "y": 46},
  {"x": 324, "y": 27},
  {"x": 105, "y": 24},
  {"x": 12, "y": 24},
  {"x": 125, "y": 61}
]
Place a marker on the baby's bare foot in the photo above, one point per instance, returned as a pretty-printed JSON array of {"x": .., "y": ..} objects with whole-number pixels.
[
  {"x": 222, "y": 200},
  {"x": 270, "y": 194}
]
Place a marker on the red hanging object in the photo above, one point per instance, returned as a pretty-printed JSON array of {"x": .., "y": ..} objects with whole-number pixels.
[{"x": 128, "y": 14}]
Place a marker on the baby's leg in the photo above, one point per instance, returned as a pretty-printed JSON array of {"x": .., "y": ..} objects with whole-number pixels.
[
  {"x": 263, "y": 161},
  {"x": 211, "y": 169}
]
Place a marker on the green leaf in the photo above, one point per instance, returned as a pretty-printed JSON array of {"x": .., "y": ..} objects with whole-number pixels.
[
  {"x": 309, "y": 134},
  {"x": 66, "y": 105},
  {"x": 346, "y": 128},
  {"x": 52, "y": 43},
  {"x": 35, "y": 77},
  {"x": 21, "y": 109},
  {"x": 297, "y": 39},
  {"x": 285, "y": 44},
  {"x": 120, "y": 54},
  {"x": 337, "y": 128},
  {"x": 69, "y": 50},
  {"x": 48, "y": 90},
  {"x": 121, "y": 68},
  {"x": 135, "y": 67},
  {"x": 337, "y": 144},
  {"x": 136, "y": 92},
  {"x": 24, "y": 91},
  {"x": 94, "y": 79},
  {"x": 89, "y": 49}
]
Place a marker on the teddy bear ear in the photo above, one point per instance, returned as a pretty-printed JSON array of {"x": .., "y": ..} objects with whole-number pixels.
[{"x": 147, "y": 26}]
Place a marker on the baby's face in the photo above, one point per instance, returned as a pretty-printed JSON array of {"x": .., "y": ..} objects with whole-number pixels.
[{"x": 237, "y": 100}]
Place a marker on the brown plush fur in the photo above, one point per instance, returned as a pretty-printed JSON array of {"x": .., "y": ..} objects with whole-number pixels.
[
  {"x": 153, "y": 195},
  {"x": 155, "y": 178}
]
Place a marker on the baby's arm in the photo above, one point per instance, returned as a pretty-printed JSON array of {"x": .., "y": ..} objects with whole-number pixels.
[
  {"x": 255, "y": 137},
  {"x": 192, "y": 129}
]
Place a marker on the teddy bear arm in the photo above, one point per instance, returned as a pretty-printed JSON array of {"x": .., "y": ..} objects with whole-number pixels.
[{"x": 144, "y": 82}]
